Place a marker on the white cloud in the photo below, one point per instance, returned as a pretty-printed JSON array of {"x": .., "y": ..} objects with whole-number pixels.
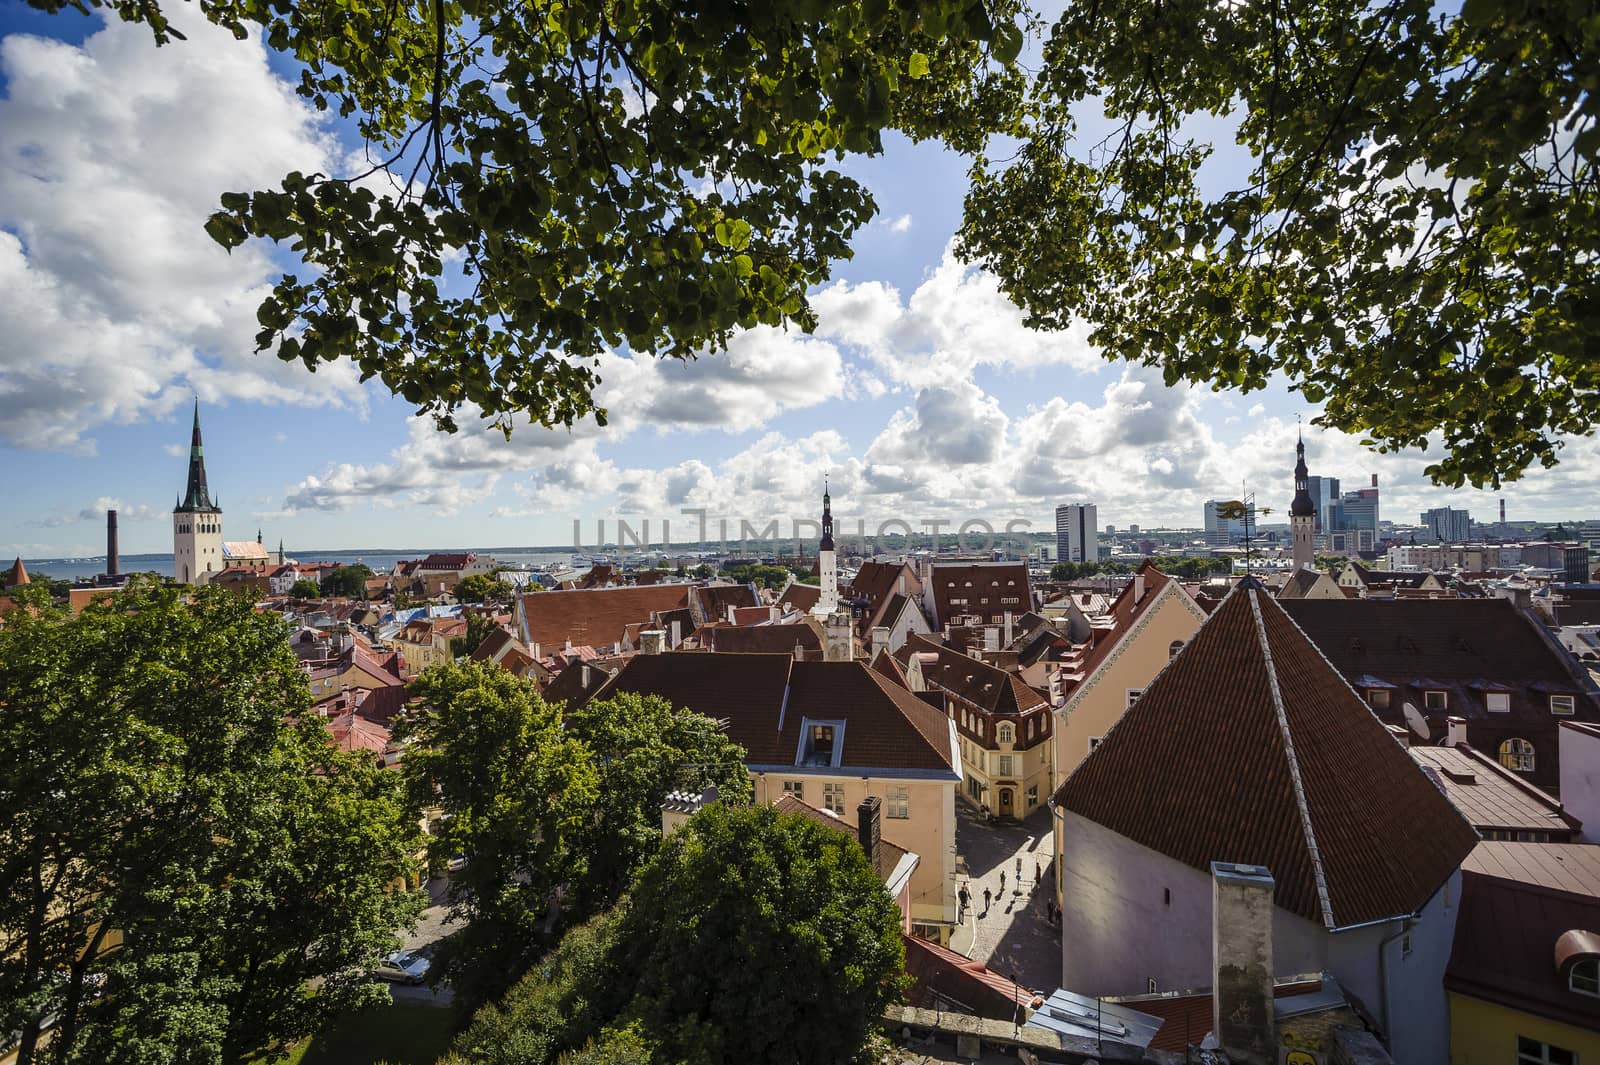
[
  {"x": 956, "y": 321},
  {"x": 898, "y": 225},
  {"x": 112, "y": 154},
  {"x": 96, "y": 512}
]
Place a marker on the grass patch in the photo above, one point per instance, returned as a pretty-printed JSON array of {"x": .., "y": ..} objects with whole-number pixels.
[{"x": 402, "y": 1033}]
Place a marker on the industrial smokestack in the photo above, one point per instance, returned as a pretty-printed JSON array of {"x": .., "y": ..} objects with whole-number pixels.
[
  {"x": 111, "y": 543},
  {"x": 1502, "y": 510},
  {"x": 1374, "y": 480}
]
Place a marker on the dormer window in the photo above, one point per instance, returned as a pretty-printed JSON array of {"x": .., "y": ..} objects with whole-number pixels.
[
  {"x": 1585, "y": 978},
  {"x": 1005, "y": 734},
  {"x": 820, "y": 743},
  {"x": 1436, "y": 700},
  {"x": 1562, "y": 704},
  {"x": 1378, "y": 698},
  {"x": 1499, "y": 702}
]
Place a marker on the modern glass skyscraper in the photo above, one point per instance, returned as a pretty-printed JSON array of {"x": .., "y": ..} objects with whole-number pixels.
[{"x": 1077, "y": 532}]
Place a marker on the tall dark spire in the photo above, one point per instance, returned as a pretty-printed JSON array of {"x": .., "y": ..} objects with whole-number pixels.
[
  {"x": 197, "y": 498},
  {"x": 1302, "y": 507},
  {"x": 827, "y": 519}
]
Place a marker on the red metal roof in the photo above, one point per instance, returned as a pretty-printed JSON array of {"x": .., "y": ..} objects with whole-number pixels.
[{"x": 1250, "y": 748}]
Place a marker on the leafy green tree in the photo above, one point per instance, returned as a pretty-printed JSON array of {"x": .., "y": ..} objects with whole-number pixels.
[
  {"x": 479, "y": 628},
  {"x": 750, "y": 936},
  {"x": 188, "y": 870},
  {"x": 305, "y": 588},
  {"x": 482, "y": 588},
  {"x": 515, "y": 790},
  {"x": 773, "y": 577},
  {"x": 1412, "y": 242},
  {"x": 652, "y": 174},
  {"x": 1072, "y": 571},
  {"x": 349, "y": 582},
  {"x": 758, "y": 936},
  {"x": 645, "y": 749}
]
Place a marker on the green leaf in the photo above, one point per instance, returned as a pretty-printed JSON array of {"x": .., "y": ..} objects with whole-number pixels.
[{"x": 918, "y": 65}]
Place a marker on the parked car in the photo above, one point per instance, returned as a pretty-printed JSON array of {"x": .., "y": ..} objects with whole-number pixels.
[{"x": 404, "y": 967}]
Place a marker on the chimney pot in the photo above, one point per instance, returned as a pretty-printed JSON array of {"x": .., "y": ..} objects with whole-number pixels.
[
  {"x": 869, "y": 830},
  {"x": 1455, "y": 731}
]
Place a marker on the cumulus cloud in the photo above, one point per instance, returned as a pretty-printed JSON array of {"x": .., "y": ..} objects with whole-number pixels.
[
  {"x": 112, "y": 154},
  {"x": 956, "y": 321},
  {"x": 898, "y": 225},
  {"x": 96, "y": 512}
]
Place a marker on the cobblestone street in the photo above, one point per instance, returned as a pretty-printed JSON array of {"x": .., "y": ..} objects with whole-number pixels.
[{"x": 1011, "y": 936}]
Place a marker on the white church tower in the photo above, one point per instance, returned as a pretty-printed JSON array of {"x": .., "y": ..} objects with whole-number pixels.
[
  {"x": 196, "y": 521},
  {"x": 1302, "y": 514},
  {"x": 827, "y": 562}
]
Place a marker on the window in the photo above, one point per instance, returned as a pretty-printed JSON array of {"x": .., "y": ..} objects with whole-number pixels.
[
  {"x": 897, "y": 803},
  {"x": 1499, "y": 702},
  {"x": 1561, "y": 704},
  {"x": 1005, "y": 765},
  {"x": 1378, "y": 698},
  {"x": 1517, "y": 754},
  {"x": 797, "y": 788},
  {"x": 1133, "y": 695},
  {"x": 1173, "y": 648},
  {"x": 1033, "y": 796},
  {"x": 1585, "y": 978},
  {"x": 1005, "y": 733},
  {"x": 833, "y": 797},
  {"x": 1435, "y": 700},
  {"x": 1094, "y": 741},
  {"x": 1031, "y": 723},
  {"x": 1533, "y": 1052}
]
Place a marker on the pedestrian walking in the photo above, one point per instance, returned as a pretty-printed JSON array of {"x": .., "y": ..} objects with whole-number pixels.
[
  {"x": 986, "y": 897},
  {"x": 966, "y": 898},
  {"x": 1002, "y": 881},
  {"x": 1038, "y": 874}
]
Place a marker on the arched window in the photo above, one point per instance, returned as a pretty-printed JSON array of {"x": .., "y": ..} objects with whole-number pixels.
[
  {"x": 1173, "y": 649},
  {"x": 1517, "y": 754},
  {"x": 1585, "y": 978},
  {"x": 1005, "y": 734}
]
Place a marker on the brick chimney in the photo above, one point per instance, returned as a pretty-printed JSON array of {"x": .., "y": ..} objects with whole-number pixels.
[
  {"x": 112, "y": 561},
  {"x": 869, "y": 829},
  {"x": 1241, "y": 954},
  {"x": 880, "y": 640},
  {"x": 652, "y": 641}
]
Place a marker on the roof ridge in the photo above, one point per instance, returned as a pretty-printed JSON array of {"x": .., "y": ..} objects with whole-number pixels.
[{"x": 1293, "y": 760}]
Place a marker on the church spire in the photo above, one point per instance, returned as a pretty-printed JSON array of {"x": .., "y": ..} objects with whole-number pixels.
[
  {"x": 197, "y": 498},
  {"x": 827, "y": 519},
  {"x": 1302, "y": 507}
]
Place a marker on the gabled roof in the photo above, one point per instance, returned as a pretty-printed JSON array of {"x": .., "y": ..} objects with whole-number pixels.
[
  {"x": 446, "y": 561},
  {"x": 801, "y": 597},
  {"x": 715, "y": 599},
  {"x": 1298, "y": 583},
  {"x": 595, "y": 616},
  {"x": 764, "y": 699},
  {"x": 496, "y": 643},
  {"x": 982, "y": 586},
  {"x": 1250, "y": 748},
  {"x": 988, "y": 687},
  {"x": 774, "y": 639},
  {"x": 876, "y": 581}
]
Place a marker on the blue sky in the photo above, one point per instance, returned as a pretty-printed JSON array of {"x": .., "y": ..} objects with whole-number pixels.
[{"x": 921, "y": 395}]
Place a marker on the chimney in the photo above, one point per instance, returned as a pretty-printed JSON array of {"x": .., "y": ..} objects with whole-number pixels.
[
  {"x": 111, "y": 543},
  {"x": 675, "y": 634},
  {"x": 1138, "y": 586},
  {"x": 1374, "y": 480},
  {"x": 1008, "y": 630},
  {"x": 902, "y": 582},
  {"x": 651, "y": 641},
  {"x": 584, "y": 676},
  {"x": 1241, "y": 955},
  {"x": 1502, "y": 510},
  {"x": 732, "y": 616},
  {"x": 880, "y": 641},
  {"x": 533, "y": 652},
  {"x": 1455, "y": 731},
  {"x": 869, "y": 830}
]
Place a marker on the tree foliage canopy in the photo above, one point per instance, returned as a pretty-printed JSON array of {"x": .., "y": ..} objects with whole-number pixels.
[
  {"x": 181, "y": 852},
  {"x": 1415, "y": 240},
  {"x": 350, "y": 582},
  {"x": 554, "y": 812},
  {"x": 652, "y": 173},
  {"x": 749, "y": 936}
]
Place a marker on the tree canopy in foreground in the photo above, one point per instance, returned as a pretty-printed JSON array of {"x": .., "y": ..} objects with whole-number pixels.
[
  {"x": 1414, "y": 239},
  {"x": 652, "y": 173},
  {"x": 181, "y": 850},
  {"x": 749, "y": 936}
]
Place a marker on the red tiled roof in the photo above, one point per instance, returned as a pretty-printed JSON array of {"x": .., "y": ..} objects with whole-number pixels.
[
  {"x": 1492, "y": 797},
  {"x": 763, "y": 698},
  {"x": 352, "y": 732},
  {"x": 988, "y": 687},
  {"x": 447, "y": 561},
  {"x": 802, "y": 597},
  {"x": 877, "y": 581},
  {"x": 775, "y": 639},
  {"x": 595, "y": 616},
  {"x": 1251, "y": 749},
  {"x": 16, "y": 576},
  {"x": 714, "y": 599},
  {"x": 493, "y": 644},
  {"x": 941, "y": 975}
]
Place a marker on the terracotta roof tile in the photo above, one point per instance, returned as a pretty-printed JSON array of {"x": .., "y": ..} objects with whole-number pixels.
[
  {"x": 982, "y": 587},
  {"x": 772, "y": 639},
  {"x": 1492, "y": 797},
  {"x": 598, "y": 616},
  {"x": 801, "y": 597},
  {"x": 1293, "y": 772}
]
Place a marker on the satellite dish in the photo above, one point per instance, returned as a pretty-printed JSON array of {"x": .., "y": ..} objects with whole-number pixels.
[{"x": 1415, "y": 720}]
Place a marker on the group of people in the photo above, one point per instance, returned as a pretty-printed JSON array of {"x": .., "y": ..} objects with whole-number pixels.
[{"x": 965, "y": 894}]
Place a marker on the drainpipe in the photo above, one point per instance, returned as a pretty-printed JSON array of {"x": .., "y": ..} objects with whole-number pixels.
[{"x": 1406, "y": 925}]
